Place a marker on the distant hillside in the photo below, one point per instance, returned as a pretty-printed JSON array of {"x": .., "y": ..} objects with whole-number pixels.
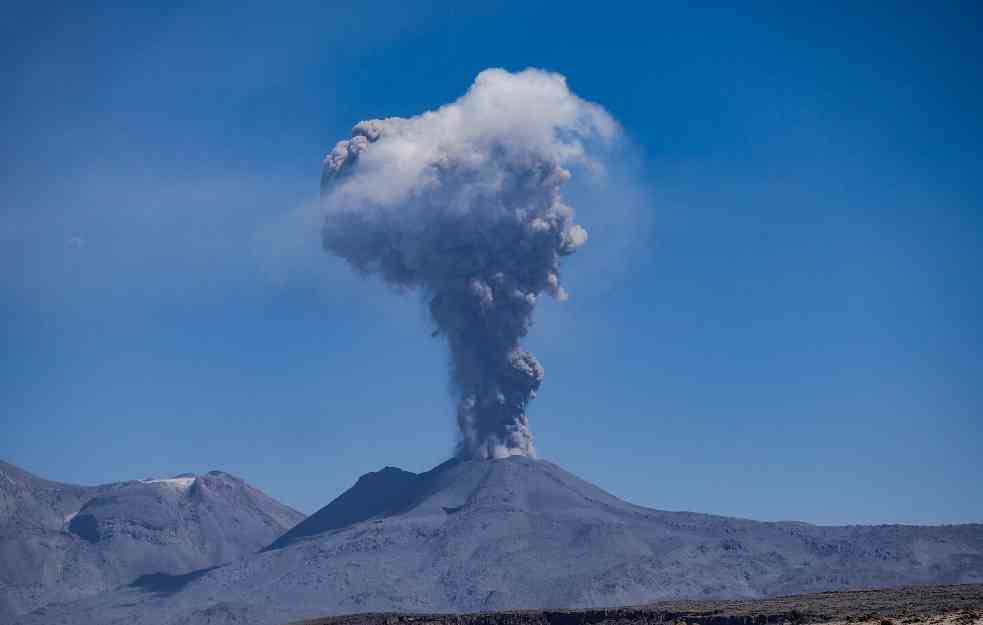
[
  {"x": 60, "y": 542},
  {"x": 521, "y": 533}
]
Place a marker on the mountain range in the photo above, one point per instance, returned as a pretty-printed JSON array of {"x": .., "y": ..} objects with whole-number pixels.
[{"x": 521, "y": 533}]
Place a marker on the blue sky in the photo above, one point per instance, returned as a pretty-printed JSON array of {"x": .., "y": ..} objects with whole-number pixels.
[{"x": 777, "y": 315}]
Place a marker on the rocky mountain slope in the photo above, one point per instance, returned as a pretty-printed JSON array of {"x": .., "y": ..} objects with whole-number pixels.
[
  {"x": 60, "y": 542},
  {"x": 520, "y": 533}
]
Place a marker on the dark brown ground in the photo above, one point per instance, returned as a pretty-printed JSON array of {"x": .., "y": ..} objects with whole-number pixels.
[{"x": 926, "y": 605}]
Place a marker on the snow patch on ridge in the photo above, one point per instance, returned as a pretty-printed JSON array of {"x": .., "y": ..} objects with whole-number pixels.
[{"x": 180, "y": 483}]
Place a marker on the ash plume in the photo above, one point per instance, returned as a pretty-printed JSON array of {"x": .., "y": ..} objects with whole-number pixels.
[{"x": 464, "y": 204}]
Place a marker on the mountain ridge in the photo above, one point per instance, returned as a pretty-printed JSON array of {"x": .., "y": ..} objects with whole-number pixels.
[{"x": 61, "y": 541}]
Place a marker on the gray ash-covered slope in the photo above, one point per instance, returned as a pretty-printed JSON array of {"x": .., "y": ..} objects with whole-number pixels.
[
  {"x": 520, "y": 533},
  {"x": 59, "y": 542}
]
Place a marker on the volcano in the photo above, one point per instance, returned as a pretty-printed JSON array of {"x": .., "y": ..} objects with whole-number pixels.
[{"x": 521, "y": 533}]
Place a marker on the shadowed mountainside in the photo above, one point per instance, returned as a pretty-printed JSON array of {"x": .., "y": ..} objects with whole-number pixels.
[{"x": 380, "y": 493}]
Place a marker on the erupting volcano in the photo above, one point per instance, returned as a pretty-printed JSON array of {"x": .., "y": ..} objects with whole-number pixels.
[{"x": 465, "y": 205}]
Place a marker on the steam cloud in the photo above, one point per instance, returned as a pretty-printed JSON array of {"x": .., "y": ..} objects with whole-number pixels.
[{"x": 464, "y": 203}]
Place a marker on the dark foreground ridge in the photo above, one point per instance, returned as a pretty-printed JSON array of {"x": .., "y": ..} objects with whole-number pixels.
[{"x": 909, "y": 605}]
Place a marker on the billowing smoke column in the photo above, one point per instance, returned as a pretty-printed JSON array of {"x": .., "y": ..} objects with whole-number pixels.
[{"x": 464, "y": 203}]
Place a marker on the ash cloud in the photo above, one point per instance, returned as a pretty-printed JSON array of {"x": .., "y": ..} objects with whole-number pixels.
[{"x": 464, "y": 203}]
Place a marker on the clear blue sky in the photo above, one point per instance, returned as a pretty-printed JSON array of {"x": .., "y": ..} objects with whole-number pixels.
[{"x": 781, "y": 322}]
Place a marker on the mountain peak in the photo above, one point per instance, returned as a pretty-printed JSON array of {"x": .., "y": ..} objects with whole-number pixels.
[
  {"x": 378, "y": 493},
  {"x": 78, "y": 540}
]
